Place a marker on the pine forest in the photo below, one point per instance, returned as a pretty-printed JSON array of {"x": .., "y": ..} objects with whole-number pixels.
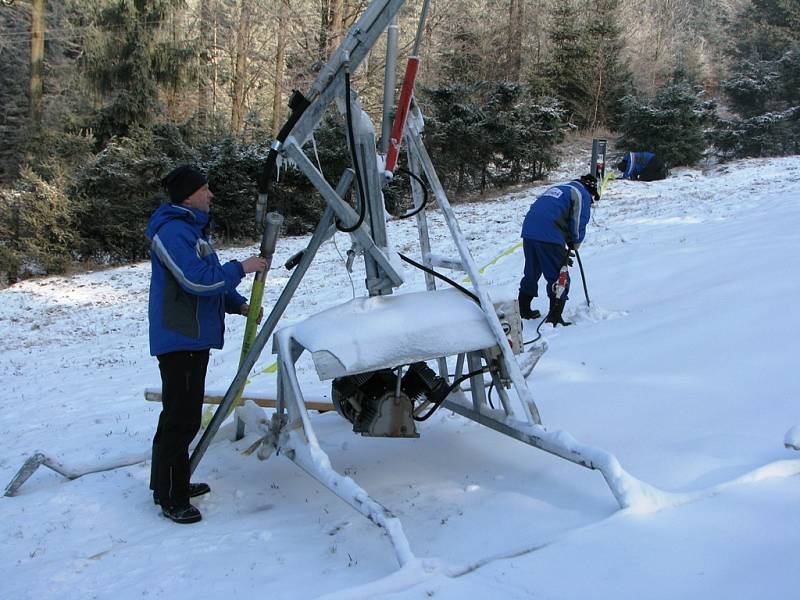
[{"x": 99, "y": 100}]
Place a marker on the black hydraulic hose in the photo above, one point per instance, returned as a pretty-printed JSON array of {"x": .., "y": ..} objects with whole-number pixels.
[
  {"x": 583, "y": 278},
  {"x": 298, "y": 104},
  {"x": 417, "y": 210},
  {"x": 449, "y": 391},
  {"x": 359, "y": 183},
  {"x": 538, "y": 333},
  {"x": 440, "y": 276}
]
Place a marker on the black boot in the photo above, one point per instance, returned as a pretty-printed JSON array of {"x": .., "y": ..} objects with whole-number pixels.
[
  {"x": 182, "y": 514},
  {"x": 556, "y": 309},
  {"x": 525, "y": 310},
  {"x": 195, "y": 489}
]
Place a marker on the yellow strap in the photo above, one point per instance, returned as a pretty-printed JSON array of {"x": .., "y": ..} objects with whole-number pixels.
[{"x": 504, "y": 253}]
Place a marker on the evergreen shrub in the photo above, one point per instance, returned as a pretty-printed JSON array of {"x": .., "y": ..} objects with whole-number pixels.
[
  {"x": 117, "y": 192},
  {"x": 36, "y": 228},
  {"x": 491, "y": 133},
  {"x": 672, "y": 125}
]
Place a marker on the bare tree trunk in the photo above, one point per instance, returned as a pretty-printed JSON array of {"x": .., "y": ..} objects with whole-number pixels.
[
  {"x": 37, "y": 62},
  {"x": 172, "y": 90},
  {"x": 214, "y": 68},
  {"x": 324, "y": 26},
  {"x": 656, "y": 58},
  {"x": 204, "y": 79},
  {"x": 514, "y": 40},
  {"x": 240, "y": 67},
  {"x": 593, "y": 126},
  {"x": 337, "y": 24},
  {"x": 280, "y": 67}
]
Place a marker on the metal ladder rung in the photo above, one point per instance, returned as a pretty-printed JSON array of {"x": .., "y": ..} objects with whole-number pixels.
[{"x": 446, "y": 262}]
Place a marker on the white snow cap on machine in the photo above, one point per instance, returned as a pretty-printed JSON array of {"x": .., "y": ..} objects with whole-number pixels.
[{"x": 366, "y": 334}]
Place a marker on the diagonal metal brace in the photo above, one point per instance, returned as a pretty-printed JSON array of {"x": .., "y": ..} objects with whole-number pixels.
[{"x": 343, "y": 210}]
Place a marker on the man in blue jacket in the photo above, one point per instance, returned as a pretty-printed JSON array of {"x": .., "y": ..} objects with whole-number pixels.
[
  {"x": 555, "y": 225},
  {"x": 190, "y": 292},
  {"x": 642, "y": 166}
]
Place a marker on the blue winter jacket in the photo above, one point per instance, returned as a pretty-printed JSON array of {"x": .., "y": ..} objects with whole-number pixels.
[
  {"x": 559, "y": 216},
  {"x": 190, "y": 290},
  {"x": 634, "y": 163}
]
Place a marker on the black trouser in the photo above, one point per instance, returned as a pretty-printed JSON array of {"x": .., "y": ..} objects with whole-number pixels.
[
  {"x": 183, "y": 380},
  {"x": 654, "y": 171}
]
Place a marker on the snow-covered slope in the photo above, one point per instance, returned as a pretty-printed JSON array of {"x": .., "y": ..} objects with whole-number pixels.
[{"x": 684, "y": 367}]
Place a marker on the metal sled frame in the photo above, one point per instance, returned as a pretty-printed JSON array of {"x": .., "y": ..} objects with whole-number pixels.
[{"x": 291, "y": 432}]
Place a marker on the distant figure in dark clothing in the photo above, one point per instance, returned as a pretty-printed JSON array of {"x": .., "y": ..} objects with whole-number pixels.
[{"x": 642, "y": 166}]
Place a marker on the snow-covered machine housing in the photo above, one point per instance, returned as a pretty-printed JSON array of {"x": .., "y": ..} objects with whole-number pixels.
[{"x": 379, "y": 351}]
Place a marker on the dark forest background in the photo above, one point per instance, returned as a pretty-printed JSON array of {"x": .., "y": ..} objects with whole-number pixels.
[{"x": 100, "y": 99}]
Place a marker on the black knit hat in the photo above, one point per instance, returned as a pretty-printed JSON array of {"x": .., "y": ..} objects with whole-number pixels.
[
  {"x": 182, "y": 182},
  {"x": 589, "y": 181}
]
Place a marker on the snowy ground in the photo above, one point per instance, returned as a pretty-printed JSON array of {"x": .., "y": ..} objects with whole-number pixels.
[{"x": 684, "y": 368}]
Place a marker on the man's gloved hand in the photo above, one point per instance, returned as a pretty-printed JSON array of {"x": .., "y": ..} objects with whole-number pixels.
[
  {"x": 244, "y": 310},
  {"x": 254, "y": 264}
]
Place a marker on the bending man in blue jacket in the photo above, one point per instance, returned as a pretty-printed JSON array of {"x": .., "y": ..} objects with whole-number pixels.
[
  {"x": 555, "y": 224},
  {"x": 190, "y": 292},
  {"x": 642, "y": 166}
]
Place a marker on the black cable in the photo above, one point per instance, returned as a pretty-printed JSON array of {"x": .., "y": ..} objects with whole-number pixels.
[
  {"x": 440, "y": 276},
  {"x": 352, "y": 139},
  {"x": 583, "y": 278},
  {"x": 538, "y": 333},
  {"x": 450, "y": 389},
  {"x": 417, "y": 210},
  {"x": 489, "y": 396}
]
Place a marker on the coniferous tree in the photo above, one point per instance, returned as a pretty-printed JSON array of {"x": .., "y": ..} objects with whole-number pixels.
[
  {"x": 611, "y": 78},
  {"x": 570, "y": 74},
  {"x": 37, "y": 63},
  {"x": 766, "y": 29},
  {"x": 36, "y": 228},
  {"x": 672, "y": 125},
  {"x": 132, "y": 60},
  {"x": 13, "y": 96},
  {"x": 763, "y": 86}
]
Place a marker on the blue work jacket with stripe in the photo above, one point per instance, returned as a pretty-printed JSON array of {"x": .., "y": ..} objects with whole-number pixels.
[
  {"x": 633, "y": 163},
  {"x": 560, "y": 215},
  {"x": 190, "y": 291}
]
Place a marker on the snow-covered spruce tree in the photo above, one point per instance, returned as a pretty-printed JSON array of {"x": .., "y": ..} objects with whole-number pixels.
[
  {"x": 672, "y": 124},
  {"x": 569, "y": 72},
  {"x": 753, "y": 85},
  {"x": 522, "y": 132},
  {"x": 491, "y": 133},
  {"x": 611, "y": 77},
  {"x": 234, "y": 167},
  {"x": 455, "y": 134},
  {"x": 764, "y": 86},
  {"x": 37, "y": 228},
  {"x": 585, "y": 71},
  {"x": 765, "y": 29},
  {"x": 117, "y": 192},
  {"x": 133, "y": 62}
]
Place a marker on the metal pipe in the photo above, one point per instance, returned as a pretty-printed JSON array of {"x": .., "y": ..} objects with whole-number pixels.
[
  {"x": 423, "y": 15},
  {"x": 389, "y": 82}
]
